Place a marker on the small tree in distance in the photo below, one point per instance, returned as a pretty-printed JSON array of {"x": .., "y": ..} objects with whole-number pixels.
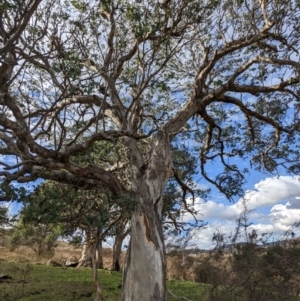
[
  {"x": 221, "y": 77},
  {"x": 246, "y": 266},
  {"x": 4, "y": 218},
  {"x": 41, "y": 238},
  {"x": 74, "y": 210}
]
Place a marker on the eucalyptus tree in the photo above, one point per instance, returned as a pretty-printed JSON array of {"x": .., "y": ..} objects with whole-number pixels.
[
  {"x": 41, "y": 238},
  {"x": 4, "y": 219},
  {"x": 142, "y": 73},
  {"x": 83, "y": 216}
]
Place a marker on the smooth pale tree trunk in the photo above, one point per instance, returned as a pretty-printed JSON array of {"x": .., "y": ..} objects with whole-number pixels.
[
  {"x": 87, "y": 251},
  {"x": 117, "y": 247},
  {"x": 85, "y": 258},
  {"x": 144, "y": 275},
  {"x": 86, "y": 254},
  {"x": 92, "y": 256},
  {"x": 145, "y": 268}
]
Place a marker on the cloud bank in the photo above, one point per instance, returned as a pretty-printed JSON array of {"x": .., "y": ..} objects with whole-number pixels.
[{"x": 275, "y": 203}]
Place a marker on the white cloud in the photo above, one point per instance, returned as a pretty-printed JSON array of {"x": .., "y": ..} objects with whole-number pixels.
[
  {"x": 203, "y": 237},
  {"x": 274, "y": 190},
  {"x": 278, "y": 201},
  {"x": 282, "y": 217}
]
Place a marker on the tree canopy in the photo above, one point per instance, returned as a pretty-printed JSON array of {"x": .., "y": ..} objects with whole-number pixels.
[
  {"x": 221, "y": 77},
  {"x": 3, "y": 216},
  {"x": 81, "y": 71}
]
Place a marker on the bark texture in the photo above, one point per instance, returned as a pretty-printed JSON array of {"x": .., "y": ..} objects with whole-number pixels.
[
  {"x": 145, "y": 268},
  {"x": 98, "y": 285},
  {"x": 87, "y": 252},
  {"x": 85, "y": 259}
]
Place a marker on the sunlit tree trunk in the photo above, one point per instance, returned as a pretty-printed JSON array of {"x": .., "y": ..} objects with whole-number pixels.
[
  {"x": 84, "y": 257},
  {"x": 145, "y": 268},
  {"x": 86, "y": 254},
  {"x": 92, "y": 238}
]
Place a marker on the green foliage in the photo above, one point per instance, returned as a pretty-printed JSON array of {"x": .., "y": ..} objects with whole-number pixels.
[
  {"x": 12, "y": 5},
  {"x": 206, "y": 272},
  {"x": 69, "y": 66},
  {"x": 253, "y": 269},
  {"x": 3, "y": 215},
  {"x": 151, "y": 55},
  {"x": 41, "y": 238},
  {"x": 4, "y": 219},
  {"x": 132, "y": 74},
  {"x": 71, "y": 208},
  {"x": 181, "y": 185},
  {"x": 9, "y": 192}
]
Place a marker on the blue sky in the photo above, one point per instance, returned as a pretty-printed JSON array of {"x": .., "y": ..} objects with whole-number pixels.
[{"x": 274, "y": 201}]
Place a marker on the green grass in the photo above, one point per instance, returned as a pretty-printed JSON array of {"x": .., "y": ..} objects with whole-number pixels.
[{"x": 37, "y": 282}]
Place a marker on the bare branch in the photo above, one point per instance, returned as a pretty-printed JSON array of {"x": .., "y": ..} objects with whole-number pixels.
[{"x": 21, "y": 27}]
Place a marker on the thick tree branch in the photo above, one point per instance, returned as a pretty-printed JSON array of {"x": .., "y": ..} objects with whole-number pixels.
[{"x": 21, "y": 27}]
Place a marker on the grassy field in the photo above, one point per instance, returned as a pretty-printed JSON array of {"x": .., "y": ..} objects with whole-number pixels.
[{"x": 39, "y": 282}]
